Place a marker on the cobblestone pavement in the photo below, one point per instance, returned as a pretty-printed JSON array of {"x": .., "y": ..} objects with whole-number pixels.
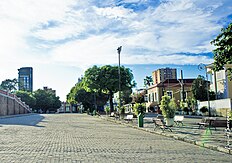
[
  {"x": 191, "y": 133},
  {"x": 61, "y": 138}
]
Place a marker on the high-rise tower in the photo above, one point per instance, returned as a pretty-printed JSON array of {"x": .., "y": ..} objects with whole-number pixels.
[
  {"x": 25, "y": 79},
  {"x": 162, "y": 74}
]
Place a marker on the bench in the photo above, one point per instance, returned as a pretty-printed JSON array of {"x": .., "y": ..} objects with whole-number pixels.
[
  {"x": 219, "y": 123},
  {"x": 178, "y": 119},
  {"x": 129, "y": 118},
  {"x": 160, "y": 124},
  {"x": 211, "y": 122},
  {"x": 206, "y": 122}
]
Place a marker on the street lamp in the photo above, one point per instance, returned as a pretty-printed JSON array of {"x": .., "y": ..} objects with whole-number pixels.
[
  {"x": 119, "y": 77},
  {"x": 201, "y": 66}
]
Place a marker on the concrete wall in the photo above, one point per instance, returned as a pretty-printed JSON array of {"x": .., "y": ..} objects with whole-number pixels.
[
  {"x": 220, "y": 107},
  {"x": 3, "y": 105},
  {"x": 10, "y": 104}
]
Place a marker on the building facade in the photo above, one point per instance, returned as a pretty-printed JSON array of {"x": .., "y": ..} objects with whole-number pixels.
[
  {"x": 50, "y": 90},
  {"x": 173, "y": 87},
  {"x": 162, "y": 74},
  {"x": 25, "y": 79},
  {"x": 219, "y": 82}
]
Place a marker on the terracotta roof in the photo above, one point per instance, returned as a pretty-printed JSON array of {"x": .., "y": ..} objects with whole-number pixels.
[{"x": 173, "y": 81}]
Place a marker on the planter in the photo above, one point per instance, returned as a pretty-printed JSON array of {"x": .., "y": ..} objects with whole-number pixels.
[{"x": 169, "y": 121}]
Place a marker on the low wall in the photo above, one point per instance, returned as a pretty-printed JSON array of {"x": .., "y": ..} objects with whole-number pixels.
[
  {"x": 11, "y": 104},
  {"x": 218, "y": 107}
]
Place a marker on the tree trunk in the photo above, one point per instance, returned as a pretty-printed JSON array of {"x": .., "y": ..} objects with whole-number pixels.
[{"x": 111, "y": 102}]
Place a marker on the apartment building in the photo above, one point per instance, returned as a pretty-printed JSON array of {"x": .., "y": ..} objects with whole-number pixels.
[
  {"x": 162, "y": 74},
  {"x": 25, "y": 78}
]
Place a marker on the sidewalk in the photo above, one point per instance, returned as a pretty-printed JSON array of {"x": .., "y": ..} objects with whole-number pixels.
[{"x": 189, "y": 132}]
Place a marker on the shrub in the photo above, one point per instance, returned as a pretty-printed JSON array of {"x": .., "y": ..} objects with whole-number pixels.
[
  {"x": 186, "y": 109},
  {"x": 203, "y": 109},
  {"x": 139, "y": 108},
  {"x": 230, "y": 115},
  {"x": 107, "y": 109}
]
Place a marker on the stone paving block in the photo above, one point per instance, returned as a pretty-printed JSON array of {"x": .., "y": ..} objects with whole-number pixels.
[{"x": 62, "y": 138}]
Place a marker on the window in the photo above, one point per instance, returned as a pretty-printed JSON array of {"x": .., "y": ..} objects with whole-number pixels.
[
  {"x": 152, "y": 97},
  {"x": 169, "y": 93}
]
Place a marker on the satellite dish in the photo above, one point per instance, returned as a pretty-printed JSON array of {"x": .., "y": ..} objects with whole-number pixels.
[{"x": 201, "y": 66}]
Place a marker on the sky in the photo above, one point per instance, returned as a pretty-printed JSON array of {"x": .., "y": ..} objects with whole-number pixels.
[{"x": 60, "y": 39}]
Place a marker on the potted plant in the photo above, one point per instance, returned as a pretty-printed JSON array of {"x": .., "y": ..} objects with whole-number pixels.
[{"x": 168, "y": 108}]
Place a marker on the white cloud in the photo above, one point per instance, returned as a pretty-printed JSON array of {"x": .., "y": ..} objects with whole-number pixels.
[
  {"x": 88, "y": 32},
  {"x": 115, "y": 12}
]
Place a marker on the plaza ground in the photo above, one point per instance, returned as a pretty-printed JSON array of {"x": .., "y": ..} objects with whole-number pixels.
[{"x": 82, "y": 138}]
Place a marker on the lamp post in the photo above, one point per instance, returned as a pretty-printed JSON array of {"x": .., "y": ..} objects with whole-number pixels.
[
  {"x": 201, "y": 66},
  {"x": 119, "y": 77}
]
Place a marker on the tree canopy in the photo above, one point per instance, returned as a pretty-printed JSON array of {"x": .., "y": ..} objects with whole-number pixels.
[
  {"x": 148, "y": 81},
  {"x": 101, "y": 83},
  {"x": 223, "y": 51},
  {"x": 199, "y": 89},
  {"x": 9, "y": 84},
  {"x": 106, "y": 79},
  {"x": 46, "y": 100},
  {"x": 27, "y": 97}
]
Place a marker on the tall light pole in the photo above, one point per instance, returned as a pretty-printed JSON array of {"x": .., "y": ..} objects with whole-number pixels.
[{"x": 119, "y": 77}]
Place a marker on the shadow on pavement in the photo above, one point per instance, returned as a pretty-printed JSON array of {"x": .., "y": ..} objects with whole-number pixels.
[{"x": 27, "y": 120}]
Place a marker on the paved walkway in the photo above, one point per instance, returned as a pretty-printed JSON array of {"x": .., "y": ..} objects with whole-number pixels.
[
  {"x": 189, "y": 132},
  {"x": 82, "y": 138}
]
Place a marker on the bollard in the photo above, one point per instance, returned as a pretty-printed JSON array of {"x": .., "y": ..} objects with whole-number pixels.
[{"x": 140, "y": 120}]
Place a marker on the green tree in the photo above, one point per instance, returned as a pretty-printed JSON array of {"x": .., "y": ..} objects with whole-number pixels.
[
  {"x": 126, "y": 96},
  {"x": 199, "y": 88},
  {"x": 223, "y": 51},
  {"x": 105, "y": 79},
  {"x": 148, "y": 81},
  {"x": 46, "y": 100},
  {"x": 27, "y": 97},
  {"x": 9, "y": 84},
  {"x": 82, "y": 94}
]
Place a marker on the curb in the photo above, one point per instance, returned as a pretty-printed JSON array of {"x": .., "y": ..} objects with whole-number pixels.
[
  {"x": 16, "y": 115},
  {"x": 176, "y": 137}
]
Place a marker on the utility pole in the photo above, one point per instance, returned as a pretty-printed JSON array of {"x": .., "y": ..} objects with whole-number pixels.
[
  {"x": 182, "y": 86},
  {"x": 119, "y": 77}
]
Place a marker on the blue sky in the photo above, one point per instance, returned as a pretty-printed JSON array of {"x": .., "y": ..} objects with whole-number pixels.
[{"x": 60, "y": 39}]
